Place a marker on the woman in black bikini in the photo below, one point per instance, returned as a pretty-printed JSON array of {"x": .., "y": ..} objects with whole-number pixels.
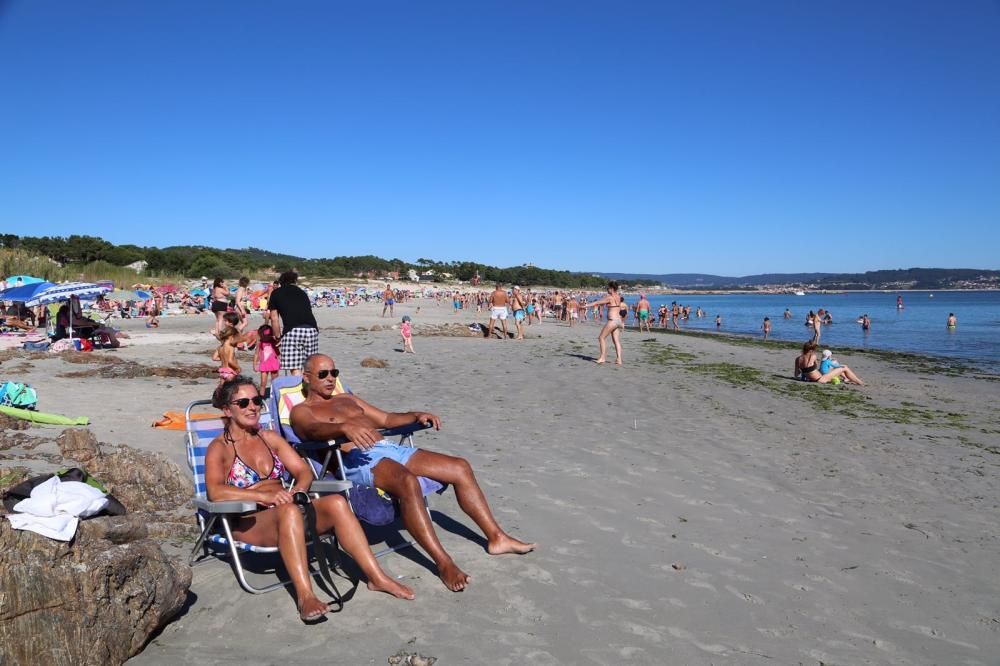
[
  {"x": 617, "y": 311},
  {"x": 220, "y": 303}
]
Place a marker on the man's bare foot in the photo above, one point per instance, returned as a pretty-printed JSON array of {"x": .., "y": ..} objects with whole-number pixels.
[
  {"x": 391, "y": 586},
  {"x": 505, "y": 543},
  {"x": 453, "y": 578},
  {"x": 312, "y": 609}
]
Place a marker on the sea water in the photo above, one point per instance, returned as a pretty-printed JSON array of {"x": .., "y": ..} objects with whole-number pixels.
[{"x": 918, "y": 327}]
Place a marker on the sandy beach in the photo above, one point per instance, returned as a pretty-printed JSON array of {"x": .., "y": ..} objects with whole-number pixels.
[{"x": 695, "y": 506}]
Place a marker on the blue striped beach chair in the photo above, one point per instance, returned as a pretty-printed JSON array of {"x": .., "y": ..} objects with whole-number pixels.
[{"x": 216, "y": 538}]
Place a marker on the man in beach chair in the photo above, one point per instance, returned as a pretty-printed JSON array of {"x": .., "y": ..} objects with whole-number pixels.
[{"x": 371, "y": 460}]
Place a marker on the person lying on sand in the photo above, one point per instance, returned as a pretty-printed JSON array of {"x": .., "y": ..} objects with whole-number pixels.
[
  {"x": 371, "y": 460},
  {"x": 236, "y": 465}
]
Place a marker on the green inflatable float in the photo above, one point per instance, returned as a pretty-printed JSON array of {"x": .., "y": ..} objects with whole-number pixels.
[{"x": 42, "y": 417}]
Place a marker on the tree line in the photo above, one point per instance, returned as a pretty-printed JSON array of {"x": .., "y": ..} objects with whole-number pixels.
[{"x": 194, "y": 261}]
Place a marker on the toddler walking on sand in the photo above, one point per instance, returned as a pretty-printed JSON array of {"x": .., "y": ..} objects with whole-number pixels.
[{"x": 406, "y": 330}]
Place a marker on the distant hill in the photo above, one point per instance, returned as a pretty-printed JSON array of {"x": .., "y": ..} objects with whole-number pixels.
[
  {"x": 706, "y": 281},
  {"x": 908, "y": 278}
]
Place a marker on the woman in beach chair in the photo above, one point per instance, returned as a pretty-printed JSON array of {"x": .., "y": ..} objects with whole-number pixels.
[{"x": 235, "y": 466}]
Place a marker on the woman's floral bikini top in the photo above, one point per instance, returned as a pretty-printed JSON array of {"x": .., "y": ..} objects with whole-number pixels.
[{"x": 242, "y": 475}]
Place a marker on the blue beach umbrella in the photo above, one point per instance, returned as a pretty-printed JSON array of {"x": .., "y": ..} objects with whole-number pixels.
[
  {"x": 199, "y": 292},
  {"x": 25, "y": 292},
  {"x": 25, "y": 279},
  {"x": 144, "y": 295},
  {"x": 64, "y": 292}
]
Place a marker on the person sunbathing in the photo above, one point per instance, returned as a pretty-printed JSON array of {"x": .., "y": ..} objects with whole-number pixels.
[
  {"x": 371, "y": 460},
  {"x": 808, "y": 367},
  {"x": 235, "y": 463}
]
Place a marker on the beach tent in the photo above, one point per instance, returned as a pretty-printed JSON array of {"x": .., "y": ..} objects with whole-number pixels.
[
  {"x": 25, "y": 292},
  {"x": 63, "y": 292}
]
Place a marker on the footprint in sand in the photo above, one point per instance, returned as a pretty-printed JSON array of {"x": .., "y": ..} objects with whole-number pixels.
[{"x": 743, "y": 595}]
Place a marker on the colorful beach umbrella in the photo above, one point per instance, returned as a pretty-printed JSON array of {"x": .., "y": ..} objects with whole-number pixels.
[
  {"x": 63, "y": 292},
  {"x": 25, "y": 292}
]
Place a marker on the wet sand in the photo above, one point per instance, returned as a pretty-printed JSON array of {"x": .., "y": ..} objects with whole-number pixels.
[{"x": 696, "y": 506}]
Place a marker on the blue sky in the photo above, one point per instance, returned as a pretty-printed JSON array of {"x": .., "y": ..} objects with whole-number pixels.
[{"x": 729, "y": 137}]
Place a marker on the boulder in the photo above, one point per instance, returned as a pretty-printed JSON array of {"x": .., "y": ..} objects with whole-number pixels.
[{"x": 95, "y": 600}]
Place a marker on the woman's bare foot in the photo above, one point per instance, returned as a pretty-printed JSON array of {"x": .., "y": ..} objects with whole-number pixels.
[
  {"x": 599, "y": 361},
  {"x": 453, "y": 578},
  {"x": 505, "y": 543},
  {"x": 312, "y": 609},
  {"x": 391, "y": 586},
  {"x": 618, "y": 362}
]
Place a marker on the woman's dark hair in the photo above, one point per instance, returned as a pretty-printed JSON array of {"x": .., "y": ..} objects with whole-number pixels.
[
  {"x": 217, "y": 282},
  {"x": 808, "y": 347},
  {"x": 244, "y": 281},
  {"x": 223, "y": 395},
  {"x": 613, "y": 285}
]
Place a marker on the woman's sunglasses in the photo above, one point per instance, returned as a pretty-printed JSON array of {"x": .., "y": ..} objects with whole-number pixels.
[
  {"x": 243, "y": 403},
  {"x": 323, "y": 374}
]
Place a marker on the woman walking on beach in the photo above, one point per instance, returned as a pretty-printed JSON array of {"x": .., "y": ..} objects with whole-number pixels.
[{"x": 617, "y": 310}]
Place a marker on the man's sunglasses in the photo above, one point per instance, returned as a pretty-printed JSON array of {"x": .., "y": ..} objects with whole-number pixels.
[
  {"x": 323, "y": 374},
  {"x": 243, "y": 403}
]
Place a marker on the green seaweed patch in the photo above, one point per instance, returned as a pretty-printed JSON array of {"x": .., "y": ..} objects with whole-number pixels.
[
  {"x": 731, "y": 373},
  {"x": 824, "y": 397},
  {"x": 665, "y": 354}
]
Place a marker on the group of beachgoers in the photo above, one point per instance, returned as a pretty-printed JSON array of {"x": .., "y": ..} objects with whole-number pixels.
[{"x": 247, "y": 462}]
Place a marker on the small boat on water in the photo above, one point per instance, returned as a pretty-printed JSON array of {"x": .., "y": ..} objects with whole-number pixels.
[{"x": 800, "y": 293}]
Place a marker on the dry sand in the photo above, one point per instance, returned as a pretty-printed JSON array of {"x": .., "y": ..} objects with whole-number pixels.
[{"x": 687, "y": 511}]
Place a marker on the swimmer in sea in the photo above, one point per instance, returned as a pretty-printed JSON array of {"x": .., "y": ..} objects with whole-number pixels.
[{"x": 952, "y": 321}]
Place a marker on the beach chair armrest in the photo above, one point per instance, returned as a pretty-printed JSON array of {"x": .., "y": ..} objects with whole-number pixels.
[
  {"x": 320, "y": 445},
  {"x": 231, "y": 506},
  {"x": 407, "y": 429},
  {"x": 327, "y": 486}
]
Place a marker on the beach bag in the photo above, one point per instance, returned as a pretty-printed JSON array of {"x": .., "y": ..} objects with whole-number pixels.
[
  {"x": 36, "y": 346},
  {"x": 23, "y": 490},
  {"x": 14, "y": 394}
]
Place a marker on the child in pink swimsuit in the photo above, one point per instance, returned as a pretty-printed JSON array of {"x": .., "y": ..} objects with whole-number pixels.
[
  {"x": 406, "y": 330},
  {"x": 265, "y": 357}
]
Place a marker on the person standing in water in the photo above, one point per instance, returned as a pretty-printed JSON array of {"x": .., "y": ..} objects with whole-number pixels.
[
  {"x": 766, "y": 327},
  {"x": 952, "y": 321},
  {"x": 642, "y": 309}
]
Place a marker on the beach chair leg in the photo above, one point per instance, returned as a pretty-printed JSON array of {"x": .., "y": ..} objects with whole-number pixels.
[
  {"x": 201, "y": 541},
  {"x": 237, "y": 564}
]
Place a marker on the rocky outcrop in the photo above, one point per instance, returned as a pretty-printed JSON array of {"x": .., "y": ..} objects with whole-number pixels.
[
  {"x": 95, "y": 600},
  {"x": 98, "y": 598},
  {"x": 143, "y": 482}
]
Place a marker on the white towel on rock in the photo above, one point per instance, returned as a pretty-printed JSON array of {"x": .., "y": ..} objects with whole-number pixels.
[{"x": 54, "y": 508}]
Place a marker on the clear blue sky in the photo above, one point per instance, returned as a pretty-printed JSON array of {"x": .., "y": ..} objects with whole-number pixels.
[{"x": 728, "y": 136}]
